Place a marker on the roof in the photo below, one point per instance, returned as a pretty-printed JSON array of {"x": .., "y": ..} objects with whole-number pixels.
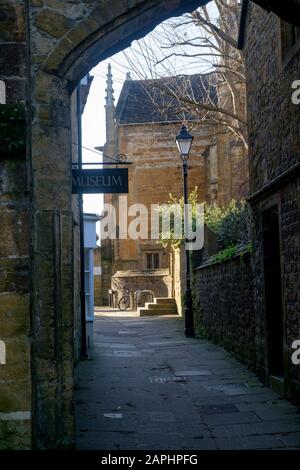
[{"x": 143, "y": 101}]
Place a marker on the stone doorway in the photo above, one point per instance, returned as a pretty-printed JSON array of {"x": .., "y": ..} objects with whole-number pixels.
[{"x": 273, "y": 292}]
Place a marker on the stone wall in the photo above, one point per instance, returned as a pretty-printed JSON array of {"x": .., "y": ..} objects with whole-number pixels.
[
  {"x": 159, "y": 281},
  {"x": 223, "y": 305},
  {"x": 98, "y": 297},
  {"x": 76, "y": 239},
  {"x": 15, "y": 224},
  {"x": 274, "y": 140},
  {"x": 288, "y": 203},
  {"x": 106, "y": 265},
  {"x": 290, "y": 238},
  {"x": 226, "y": 169},
  {"x": 178, "y": 277},
  {"x": 274, "y": 121}
]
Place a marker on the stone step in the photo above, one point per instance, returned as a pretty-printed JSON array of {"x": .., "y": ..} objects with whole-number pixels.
[
  {"x": 165, "y": 300},
  {"x": 160, "y": 306},
  {"x": 164, "y": 306},
  {"x": 147, "y": 312}
]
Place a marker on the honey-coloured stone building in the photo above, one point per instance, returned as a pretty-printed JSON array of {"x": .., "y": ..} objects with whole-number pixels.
[{"x": 143, "y": 127}]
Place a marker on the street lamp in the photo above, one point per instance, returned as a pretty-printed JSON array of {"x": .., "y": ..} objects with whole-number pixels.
[{"x": 184, "y": 142}]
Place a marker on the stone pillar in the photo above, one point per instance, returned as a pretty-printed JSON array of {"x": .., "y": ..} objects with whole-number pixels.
[
  {"x": 15, "y": 365},
  {"x": 52, "y": 265}
]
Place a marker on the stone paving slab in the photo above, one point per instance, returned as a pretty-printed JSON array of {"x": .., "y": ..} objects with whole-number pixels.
[
  {"x": 146, "y": 386},
  {"x": 250, "y": 442},
  {"x": 232, "y": 418},
  {"x": 276, "y": 427}
]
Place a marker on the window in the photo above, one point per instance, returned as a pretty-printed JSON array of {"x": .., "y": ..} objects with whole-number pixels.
[
  {"x": 152, "y": 260},
  {"x": 290, "y": 34}
]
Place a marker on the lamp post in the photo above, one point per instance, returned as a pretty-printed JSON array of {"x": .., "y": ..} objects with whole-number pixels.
[{"x": 184, "y": 142}]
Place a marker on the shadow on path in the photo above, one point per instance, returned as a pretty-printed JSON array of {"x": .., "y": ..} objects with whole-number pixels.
[{"x": 146, "y": 386}]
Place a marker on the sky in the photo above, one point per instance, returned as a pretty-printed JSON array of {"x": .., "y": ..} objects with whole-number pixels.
[{"x": 93, "y": 124}]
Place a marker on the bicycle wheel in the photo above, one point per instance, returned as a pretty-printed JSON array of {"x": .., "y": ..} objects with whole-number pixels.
[{"x": 124, "y": 302}]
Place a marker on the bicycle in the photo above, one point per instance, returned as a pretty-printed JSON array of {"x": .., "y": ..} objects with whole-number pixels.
[{"x": 124, "y": 302}]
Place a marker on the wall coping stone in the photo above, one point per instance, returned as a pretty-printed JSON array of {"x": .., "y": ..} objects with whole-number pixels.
[
  {"x": 142, "y": 273},
  {"x": 241, "y": 250},
  {"x": 276, "y": 183}
]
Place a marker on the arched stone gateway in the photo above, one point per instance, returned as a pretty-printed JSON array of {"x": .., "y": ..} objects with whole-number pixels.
[
  {"x": 65, "y": 46},
  {"x": 46, "y": 47}
]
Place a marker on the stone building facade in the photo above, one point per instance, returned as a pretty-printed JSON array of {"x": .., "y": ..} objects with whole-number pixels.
[
  {"x": 143, "y": 127},
  {"x": 272, "y": 52},
  {"x": 44, "y": 52}
]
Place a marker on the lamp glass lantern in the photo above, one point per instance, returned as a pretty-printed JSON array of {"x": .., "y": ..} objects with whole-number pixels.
[{"x": 184, "y": 142}]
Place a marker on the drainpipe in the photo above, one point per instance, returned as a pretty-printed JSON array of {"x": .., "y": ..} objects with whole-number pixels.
[{"x": 81, "y": 228}]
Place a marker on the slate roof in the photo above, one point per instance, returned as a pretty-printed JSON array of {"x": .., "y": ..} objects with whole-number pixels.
[{"x": 156, "y": 100}]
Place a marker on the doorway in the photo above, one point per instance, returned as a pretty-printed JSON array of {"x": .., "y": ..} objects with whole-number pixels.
[{"x": 273, "y": 292}]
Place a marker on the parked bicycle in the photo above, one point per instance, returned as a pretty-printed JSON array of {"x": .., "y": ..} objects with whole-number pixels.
[{"x": 124, "y": 302}]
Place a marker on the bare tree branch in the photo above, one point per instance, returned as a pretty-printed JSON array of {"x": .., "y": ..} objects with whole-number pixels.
[{"x": 206, "y": 38}]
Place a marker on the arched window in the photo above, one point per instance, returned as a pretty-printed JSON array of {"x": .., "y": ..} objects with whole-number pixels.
[{"x": 2, "y": 92}]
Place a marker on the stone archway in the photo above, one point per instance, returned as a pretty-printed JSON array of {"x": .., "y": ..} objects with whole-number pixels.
[
  {"x": 47, "y": 47},
  {"x": 74, "y": 41}
]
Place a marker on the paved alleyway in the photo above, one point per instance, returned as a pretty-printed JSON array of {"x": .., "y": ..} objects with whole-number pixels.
[{"x": 148, "y": 387}]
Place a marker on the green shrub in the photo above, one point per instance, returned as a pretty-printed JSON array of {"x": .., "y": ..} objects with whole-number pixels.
[
  {"x": 230, "y": 252},
  {"x": 227, "y": 253},
  {"x": 169, "y": 238},
  {"x": 230, "y": 223}
]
